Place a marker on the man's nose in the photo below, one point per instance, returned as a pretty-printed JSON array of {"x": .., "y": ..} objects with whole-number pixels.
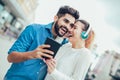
[{"x": 69, "y": 28}]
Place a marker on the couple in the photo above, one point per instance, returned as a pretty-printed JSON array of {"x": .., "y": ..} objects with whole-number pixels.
[{"x": 72, "y": 60}]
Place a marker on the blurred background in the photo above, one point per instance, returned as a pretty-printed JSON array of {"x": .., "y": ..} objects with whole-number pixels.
[{"x": 103, "y": 15}]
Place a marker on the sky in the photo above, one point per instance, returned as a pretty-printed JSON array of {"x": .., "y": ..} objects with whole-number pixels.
[{"x": 99, "y": 13}]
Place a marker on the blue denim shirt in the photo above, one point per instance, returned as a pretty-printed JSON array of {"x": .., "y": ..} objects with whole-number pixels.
[{"x": 33, "y": 36}]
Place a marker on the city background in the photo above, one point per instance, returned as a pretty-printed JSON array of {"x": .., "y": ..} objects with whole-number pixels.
[{"x": 103, "y": 16}]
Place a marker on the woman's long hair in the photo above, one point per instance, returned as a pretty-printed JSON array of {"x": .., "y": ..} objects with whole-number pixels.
[
  {"x": 90, "y": 39},
  {"x": 91, "y": 34}
]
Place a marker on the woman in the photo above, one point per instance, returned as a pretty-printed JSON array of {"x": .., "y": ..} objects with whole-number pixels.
[{"x": 73, "y": 59}]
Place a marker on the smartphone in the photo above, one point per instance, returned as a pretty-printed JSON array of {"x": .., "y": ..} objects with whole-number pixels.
[{"x": 54, "y": 46}]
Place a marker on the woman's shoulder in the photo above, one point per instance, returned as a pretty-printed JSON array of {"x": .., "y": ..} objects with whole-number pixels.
[
  {"x": 67, "y": 45},
  {"x": 84, "y": 52}
]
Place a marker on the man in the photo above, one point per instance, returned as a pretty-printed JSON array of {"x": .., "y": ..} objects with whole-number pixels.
[{"x": 26, "y": 53}]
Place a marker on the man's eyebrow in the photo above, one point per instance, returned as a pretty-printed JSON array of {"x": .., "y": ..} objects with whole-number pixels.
[{"x": 67, "y": 20}]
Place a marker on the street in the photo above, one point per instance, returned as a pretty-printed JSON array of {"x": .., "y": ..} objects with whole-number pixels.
[{"x": 5, "y": 44}]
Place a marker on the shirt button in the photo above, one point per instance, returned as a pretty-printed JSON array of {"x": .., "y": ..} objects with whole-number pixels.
[
  {"x": 40, "y": 63},
  {"x": 37, "y": 72}
]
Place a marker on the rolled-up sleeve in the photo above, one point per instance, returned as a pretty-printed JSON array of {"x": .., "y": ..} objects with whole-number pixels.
[{"x": 24, "y": 40}]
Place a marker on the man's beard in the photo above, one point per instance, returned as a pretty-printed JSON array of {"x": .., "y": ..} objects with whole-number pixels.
[{"x": 57, "y": 29}]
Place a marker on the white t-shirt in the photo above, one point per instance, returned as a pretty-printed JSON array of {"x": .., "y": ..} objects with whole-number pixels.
[{"x": 71, "y": 64}]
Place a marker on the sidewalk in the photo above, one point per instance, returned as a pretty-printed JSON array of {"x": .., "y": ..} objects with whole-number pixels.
[{"x": 5, "y": 43}]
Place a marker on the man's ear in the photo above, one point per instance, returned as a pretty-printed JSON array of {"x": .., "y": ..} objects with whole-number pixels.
[{"x": 55, "y": 18}]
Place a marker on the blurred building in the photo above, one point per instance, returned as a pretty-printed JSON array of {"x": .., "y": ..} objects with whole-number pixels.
[
  {"x": 115, "y": 68},
  {"x": 106, "y": 67},
  {"x": 15, "y": 15}
]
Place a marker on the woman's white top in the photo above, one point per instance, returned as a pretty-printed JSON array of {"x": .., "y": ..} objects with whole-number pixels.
[{"x": 71, "y": 64}]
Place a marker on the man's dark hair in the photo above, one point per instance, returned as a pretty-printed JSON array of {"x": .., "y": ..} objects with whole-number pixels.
[{"x": 68, "y": 10}]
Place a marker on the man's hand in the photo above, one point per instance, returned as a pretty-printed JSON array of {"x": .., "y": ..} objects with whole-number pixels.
[{"x": 41, "y": 51}]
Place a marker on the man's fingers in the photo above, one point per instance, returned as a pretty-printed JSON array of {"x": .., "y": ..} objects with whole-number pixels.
[
  {"x": 47, "y": 55},
  {"x": 44, "y": 46},
  {"x": 44, "y": 50},
  {"x": 47, "y": 51}
]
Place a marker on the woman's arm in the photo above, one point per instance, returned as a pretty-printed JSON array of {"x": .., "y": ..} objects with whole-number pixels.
[{"x": 79, "y": 72}]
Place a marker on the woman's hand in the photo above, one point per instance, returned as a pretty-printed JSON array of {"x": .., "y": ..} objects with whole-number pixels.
[{"x": 51, "y": 63}]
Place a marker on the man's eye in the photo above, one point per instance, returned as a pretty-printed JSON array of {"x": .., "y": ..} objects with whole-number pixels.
[{"x": 66, "y": 21}]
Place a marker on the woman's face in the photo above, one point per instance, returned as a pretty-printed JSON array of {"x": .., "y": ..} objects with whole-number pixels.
[{"x": 78, "y": 27}]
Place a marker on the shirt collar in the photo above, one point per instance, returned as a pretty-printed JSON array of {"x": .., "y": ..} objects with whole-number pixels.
[{"x": 49, "y": 26}]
